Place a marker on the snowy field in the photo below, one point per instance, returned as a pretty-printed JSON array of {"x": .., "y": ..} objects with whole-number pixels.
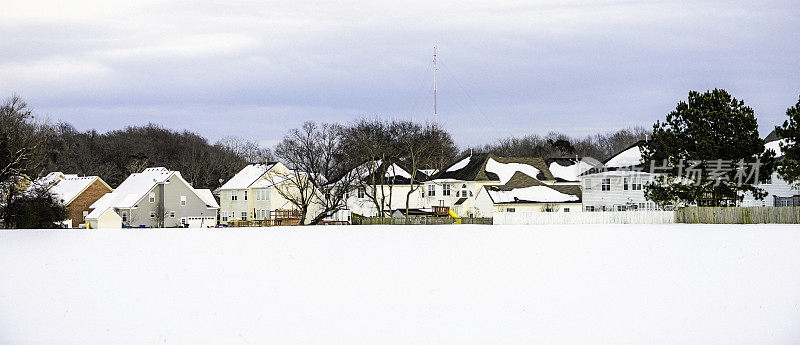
[{"x": 608, "y": 284}]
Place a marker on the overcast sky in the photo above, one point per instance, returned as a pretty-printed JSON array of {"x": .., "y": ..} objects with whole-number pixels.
[{"x": 256, "y": 68}]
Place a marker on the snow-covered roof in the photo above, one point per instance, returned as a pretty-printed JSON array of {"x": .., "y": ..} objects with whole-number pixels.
[
  {"x": 65, "y": 187},
  {"x": 532, "y": 194},
  {"x": 775, "y": 146},
  {"x": 207, "y": 197},
  {"x": 266, "y": 183},
  {"x": 628, "y": 157},
  {"x": 133, "y": 189},
  {"x": 569, "y": 172},
  {"x": 247, "y": 176},
  {"x": 487, "y": 167},
  {"x": 505, "y": 170},
  {"x": 459, "y": 165}
]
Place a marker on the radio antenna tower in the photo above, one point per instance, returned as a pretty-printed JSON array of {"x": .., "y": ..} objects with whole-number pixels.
[{"x": 435, "y": 110}]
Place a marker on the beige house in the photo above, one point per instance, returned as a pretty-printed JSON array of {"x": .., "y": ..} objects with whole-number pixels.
[{"x": 252, "y": 194}]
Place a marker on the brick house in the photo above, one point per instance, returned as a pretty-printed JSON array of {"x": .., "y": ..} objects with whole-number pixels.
[{"x": 77, "y": 193}]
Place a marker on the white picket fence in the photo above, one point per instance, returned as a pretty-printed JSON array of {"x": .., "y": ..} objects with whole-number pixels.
[{"x": 543, "y": 218}]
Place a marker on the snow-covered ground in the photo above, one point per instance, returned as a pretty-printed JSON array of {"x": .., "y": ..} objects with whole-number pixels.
[{"x": 604, "y": 284}]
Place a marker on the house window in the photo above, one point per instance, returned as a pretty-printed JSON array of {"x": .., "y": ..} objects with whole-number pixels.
[
  {"x": 637, "y": 184},
  {"x": 606, "y": 185},
  {"x": 463, "y": 190},
  {"x": 620, "y": 207},
  {"x": 172, "y": 214},
  {"x": 446, "y": 189},
  {"x": 234, "y": 196},
  {"x": 642, "y": 205},
  {"x": 511, "y": 209},
  {"x": 152, "y": 214},
  {"x": 245, "y": 195},
  {"x": 432, "y": 190},
  {"x": 124, "y": 216},
  {"x": 244, "y": 215},
  {"x": 85, "y": 213},
  {"x": 361, "y": 192},
  {"x": 224, "y": 216},
  {"x": 152, "y": 197},
  {"x": 566, "y": 209},
  {"x": 625, "y": 183},
  {"x": 266, "y": 194},
  {"x": 769, "y": 180},
  {"x": 590, "y": 208},
  {"x": 183, "y": 220},
  {"x": 183, "y": 200}
]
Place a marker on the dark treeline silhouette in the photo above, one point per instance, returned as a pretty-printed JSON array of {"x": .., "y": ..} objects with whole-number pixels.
[
  {"x": 116, "y": 154},
  {"x": 599, "y": 146}
]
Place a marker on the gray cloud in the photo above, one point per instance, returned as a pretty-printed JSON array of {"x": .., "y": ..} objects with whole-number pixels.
[{"x": 508, "y": 68}]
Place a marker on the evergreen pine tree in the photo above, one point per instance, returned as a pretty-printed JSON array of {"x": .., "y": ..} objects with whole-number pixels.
[{"x": 699, "y": 148}]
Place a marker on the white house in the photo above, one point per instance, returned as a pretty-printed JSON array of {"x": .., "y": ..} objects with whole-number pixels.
[
  {"x": 391, "y": 190},
  {"x": 619, "y": 185},
  {"x": 479, "y": 185},
  {"x": 779, "y": 192},
  {"x": 252, "y": 193},
  {"x": 156, "y": 197}
]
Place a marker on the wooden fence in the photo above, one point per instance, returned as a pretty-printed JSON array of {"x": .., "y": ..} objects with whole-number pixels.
[
  {"x": 543, "y": 218},
  {"x": 738, "y": 215},
  {"x": 417, "y": 220}
]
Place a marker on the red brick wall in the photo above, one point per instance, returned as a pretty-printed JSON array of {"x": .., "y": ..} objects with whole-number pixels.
[{"x": 84, "y": 200}]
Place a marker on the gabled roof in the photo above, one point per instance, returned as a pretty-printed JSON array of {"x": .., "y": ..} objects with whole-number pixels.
[
  {"x": 631, "y": 156},
  {"x": 66, "y": 187},
  {"x": 488, "y": 167},
  {"x": 522, "y": 189},
  {"x": 772, "y": 136},
  {"x": 136, "y": 187},
  {"x": 629, "y": 159},
  {"x": 247, "y": 176},
  {"x": 568, "y": 169}
]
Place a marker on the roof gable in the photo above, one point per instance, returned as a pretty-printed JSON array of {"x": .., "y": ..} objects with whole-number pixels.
[{"x": 247, "y": 176}]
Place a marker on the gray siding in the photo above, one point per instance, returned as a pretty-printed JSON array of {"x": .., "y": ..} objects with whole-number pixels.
[{"x": 170, "y": 194}]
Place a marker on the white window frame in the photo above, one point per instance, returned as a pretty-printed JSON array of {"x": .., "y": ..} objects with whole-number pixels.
[
  {"x": 172, "y": 214},
  {"x": 446, "y": 189},
  {"x": 244, "y": 215},
  {"x": 152, "y": 197},
  {"x": 362, "y": 192},
  {"x": 605, "y": 184},
  {"x": 183, "y": 200},
  {"x": 152, "y": 214},
  {"x": 234, "y": 195},
  {"x": 432, "y": 190},
  {"x": 245, "y": 195},
  {"x": 224, "y": 216}
]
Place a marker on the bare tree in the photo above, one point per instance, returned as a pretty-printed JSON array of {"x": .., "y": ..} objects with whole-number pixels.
[
  {"x": 23, "y": 144},
  {"x": 319, "y": 175},
  {"x": 420, "y": 147},
  {"x": 249, "y": 150},
  {"x": 372, "y": 144}
]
